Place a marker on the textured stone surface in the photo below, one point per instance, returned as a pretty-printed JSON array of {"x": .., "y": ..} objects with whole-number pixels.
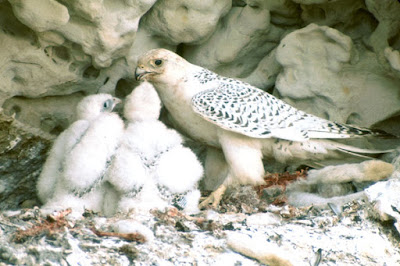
[
  {"x": 244, "y": 35},
  {"x": 22, "y": 153},
  {"x": 326, "y": 74},
  {"x": 52, "y": 114},
  {"x": 185, "y": 21},
  {"x": 302, "y": 236},
  {"x": 336, "y": 59},
  {"x": 385, "y": 199},
  {"x": 345, "y": 69},
  {"x": 41, "y": 16}
]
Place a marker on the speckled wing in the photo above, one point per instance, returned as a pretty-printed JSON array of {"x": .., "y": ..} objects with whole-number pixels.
[{"x": 242, "y": 108}]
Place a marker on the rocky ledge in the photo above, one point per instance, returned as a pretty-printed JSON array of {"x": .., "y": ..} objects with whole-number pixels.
[{"x": 255, "y": 233}]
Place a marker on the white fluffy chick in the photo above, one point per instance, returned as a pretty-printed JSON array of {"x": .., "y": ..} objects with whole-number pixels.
[
  {"x": 151, "y": 168},
  {"x": 73, "y": 172}
]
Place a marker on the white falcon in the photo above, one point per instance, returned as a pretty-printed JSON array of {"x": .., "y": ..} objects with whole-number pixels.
[{"x": 247, "y": 123}]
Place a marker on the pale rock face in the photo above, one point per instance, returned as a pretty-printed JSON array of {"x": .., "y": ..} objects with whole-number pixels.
[
  {"x": 393, "y": 57},
  {"x": 385, "y": 200},
  {"x": 345, "y": 78},
  {"x": 108, "y": 34},
  {"x": 37, "y": 111},
  {"x": 244, "y": 36},
  {"x": 59, "y": 67},
  {"x": 330, "y": 13},
  {"x": 42, "y": 16},
  {"x": 63, "y": 47},
  {"x": 185, "y": 21},
  {"x": 387, "y": 13},
  {"x": 73, "y": 47}
]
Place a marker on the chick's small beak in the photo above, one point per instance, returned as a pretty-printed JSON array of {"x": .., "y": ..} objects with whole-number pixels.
[
  {"x": 116, "y": 100},
  {"x": 116, "y": 104}
]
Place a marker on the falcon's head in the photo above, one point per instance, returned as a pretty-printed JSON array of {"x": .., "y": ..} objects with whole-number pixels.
[
  {"x": 158, "y": 64},
  {"x": 92, "y": 106}
]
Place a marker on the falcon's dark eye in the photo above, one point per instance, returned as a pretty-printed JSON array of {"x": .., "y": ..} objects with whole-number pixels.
[{"x": 158, "y": 62}]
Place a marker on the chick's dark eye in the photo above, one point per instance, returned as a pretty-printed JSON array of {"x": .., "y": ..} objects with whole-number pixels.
[
  {"x": 107, "y": 104},
  {"x": 158, "y": 62}
]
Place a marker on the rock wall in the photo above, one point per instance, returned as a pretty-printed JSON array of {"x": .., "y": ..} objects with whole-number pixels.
[{"x": 337, "y": 59}]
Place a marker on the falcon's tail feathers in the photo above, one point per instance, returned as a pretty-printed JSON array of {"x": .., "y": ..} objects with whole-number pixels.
[
  {"x": 360, "y": 152},
  {"x": 357, "y": 155},
  {"x": 342, "y": 131},
  {"x": 361, "y": 131}
]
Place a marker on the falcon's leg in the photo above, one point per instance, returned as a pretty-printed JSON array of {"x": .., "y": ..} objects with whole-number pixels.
[
  {"x": 215, "y": 168},
  {"x": 244, "y": 157},
  {"x": 216, "y": 171},
  {"x": 245, "y": 167}
]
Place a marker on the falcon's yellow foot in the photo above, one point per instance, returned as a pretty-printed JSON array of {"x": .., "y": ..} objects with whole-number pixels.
[{"x": 214, "y": 199}]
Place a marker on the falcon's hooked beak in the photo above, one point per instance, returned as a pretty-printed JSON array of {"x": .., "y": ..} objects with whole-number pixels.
[{"x": 140, "y": 73}]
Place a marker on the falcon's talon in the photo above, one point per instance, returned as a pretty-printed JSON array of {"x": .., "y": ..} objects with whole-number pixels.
[{"x": 215, "y": 198}]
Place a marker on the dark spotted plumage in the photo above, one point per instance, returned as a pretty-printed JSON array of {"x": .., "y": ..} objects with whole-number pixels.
[
  {"x": 178, "y": 200},
  {"x": 134, "y": 192},
  {"x": 242, "y": 108},
  {"x": 205, "y": 76}
]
